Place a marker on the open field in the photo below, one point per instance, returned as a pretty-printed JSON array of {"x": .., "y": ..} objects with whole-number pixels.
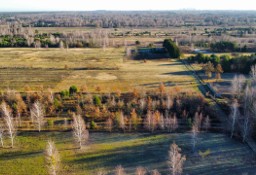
[
  {"x": 106, "y": 151},
  {"x": 59, "y": 69}
]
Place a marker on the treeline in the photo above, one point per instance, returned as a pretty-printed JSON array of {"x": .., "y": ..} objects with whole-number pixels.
[
  {"x": 238, "y": 64},
  {"x": 17, "y": 36},
  {"x": 113, "y": 19},
  {"x": 135, "y": 111},
  {"x": 227, "y": 46}
]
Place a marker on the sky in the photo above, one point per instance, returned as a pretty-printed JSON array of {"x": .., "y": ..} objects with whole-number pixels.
[{"x": 89, "y": 5}]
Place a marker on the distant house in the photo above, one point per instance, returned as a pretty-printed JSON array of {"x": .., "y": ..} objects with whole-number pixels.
[
  {"x": 149, "y": 53},
  {"x": 151, "y": 50}
]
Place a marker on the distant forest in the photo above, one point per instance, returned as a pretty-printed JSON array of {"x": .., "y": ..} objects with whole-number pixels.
[{"x": 118, "y": 19}]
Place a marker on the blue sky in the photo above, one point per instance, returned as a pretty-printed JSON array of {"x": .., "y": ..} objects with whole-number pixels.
[{"x": 83, "y": 5}]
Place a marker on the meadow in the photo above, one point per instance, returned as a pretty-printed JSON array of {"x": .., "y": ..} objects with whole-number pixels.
[
  {"x": 58, "y": 69},
  {"x": 105, "y": 151}
]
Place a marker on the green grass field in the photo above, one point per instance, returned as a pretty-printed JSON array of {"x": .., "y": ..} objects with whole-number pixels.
[
  {"x": 105, "y": 151},
  {"x": 59, "y": 69}
]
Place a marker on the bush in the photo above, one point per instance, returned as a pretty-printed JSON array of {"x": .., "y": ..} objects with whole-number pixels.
[
  {"x": 97, "y": 100},
  {"x": 57, "y": 103},
  {"x": 137, "y": 42},
  {"x": 72, "y": 90},
  {"x": 64, "y": 93},
  {"x": 93, "y": 125},
  {"x": 50, "y": 123}
]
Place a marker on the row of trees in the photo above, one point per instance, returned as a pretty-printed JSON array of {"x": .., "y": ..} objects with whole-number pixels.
[
  {"x": 242, "y": 118},
  {"x": 135, "y": 107},
  {"x": 15, "y": 35},
  {"x": 223, "y": 46},
  {"x": 9, "y": 126},
  {"x": 238, "y": 64}
]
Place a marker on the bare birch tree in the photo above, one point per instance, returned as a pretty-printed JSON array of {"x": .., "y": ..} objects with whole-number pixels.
[
  {"x": 246, "y": 127},
  {"x": 194, "y": 136},
  {"x": 80, "y": 132},
  {"x": 174, "y": 123},
  {"x": 169, "y": 102},
  {"x": 37, "y": 115},
  {"x": 148, "y": 121},
  {"x": 161, "y": 123},
  {"x": 52, "y": 158},
  {"x": 237, "y": 85},
  {"x": 253, "y": 73},
  {"x": 121, "y": 121},
  {"x": 140, "y": 171},
  {"x": 119, "y": 170},
  {"x": 155, "y": 172},
  {"x": 176, "y": 160},
  {"x": 109, "y": 124},
  {"x": 2, "y": 135},
  {"x": 207, "y": 123},
  {"x": 9, "y": 121},
  {"x": 233, "y": 117}
]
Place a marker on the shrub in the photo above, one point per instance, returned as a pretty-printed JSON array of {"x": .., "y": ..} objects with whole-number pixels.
[
  {"x": 50, "y": 123},
  {"x": 93, "y": 125},
  {"x": 137, "y": 42},
  {"x": 97, "y": 100},
  {"x": 72, "y": 90},
  {"x": 64, "y": 93},
  {"x": 57, "y": 103}
]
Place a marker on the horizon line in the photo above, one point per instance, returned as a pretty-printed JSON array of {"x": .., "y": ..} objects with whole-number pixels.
[{"x": 156, "y": 10}]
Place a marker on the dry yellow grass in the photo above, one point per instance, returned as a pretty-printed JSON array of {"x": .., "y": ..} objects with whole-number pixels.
[{"x": 59, "y": 69}]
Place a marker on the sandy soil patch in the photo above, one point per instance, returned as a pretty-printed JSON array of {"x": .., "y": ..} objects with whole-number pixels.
[{"x": 105, "y": 76}]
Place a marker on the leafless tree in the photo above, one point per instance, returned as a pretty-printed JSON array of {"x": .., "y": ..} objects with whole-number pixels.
[
  {"x": 140, "y": 171},
  {"x": 80, "y": 132},
  {"x": 233, "y": 117},
  {"x": 176, "y": 160},
  {"x": 161, "y": 123},
  {"x": 246, "y": 127},
  {"x": 61, "y": 45},
  {"x": 109, "y": 124},
  {"x": 119, "y": 170},
  {"x": 198, "y": 120},
  {"x": 237, "y": 85},
  {"x": 194, "y": 136},
  {"x": 52, "y": 158},
  {"x": 9, "y": 121},
  {"x": 121, "y": 121},
  {"x": 253, "y": 73},
  {"x": 37, "y": 115},
  {"x": 101, "y": 172},
  {"x": 142, "y": 103},
  {"x": 2, "y": 135},
  {"x": 169, "y": 102},
  {"x": 174, "y": 123},
  {"x": 150, "y": 121},
  {"x": 207, "y": 123},
  {"x": 155, "y": 172},
  {"x": 168, "y": 122}
]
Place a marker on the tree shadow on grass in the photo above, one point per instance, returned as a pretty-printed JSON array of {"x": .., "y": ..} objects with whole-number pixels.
[
  {"x": 172, "y": 64},
  {"x": 225, "y": 158},
  {"x": 19, "y": 154},
  {"x": 181, "y": 73}
]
